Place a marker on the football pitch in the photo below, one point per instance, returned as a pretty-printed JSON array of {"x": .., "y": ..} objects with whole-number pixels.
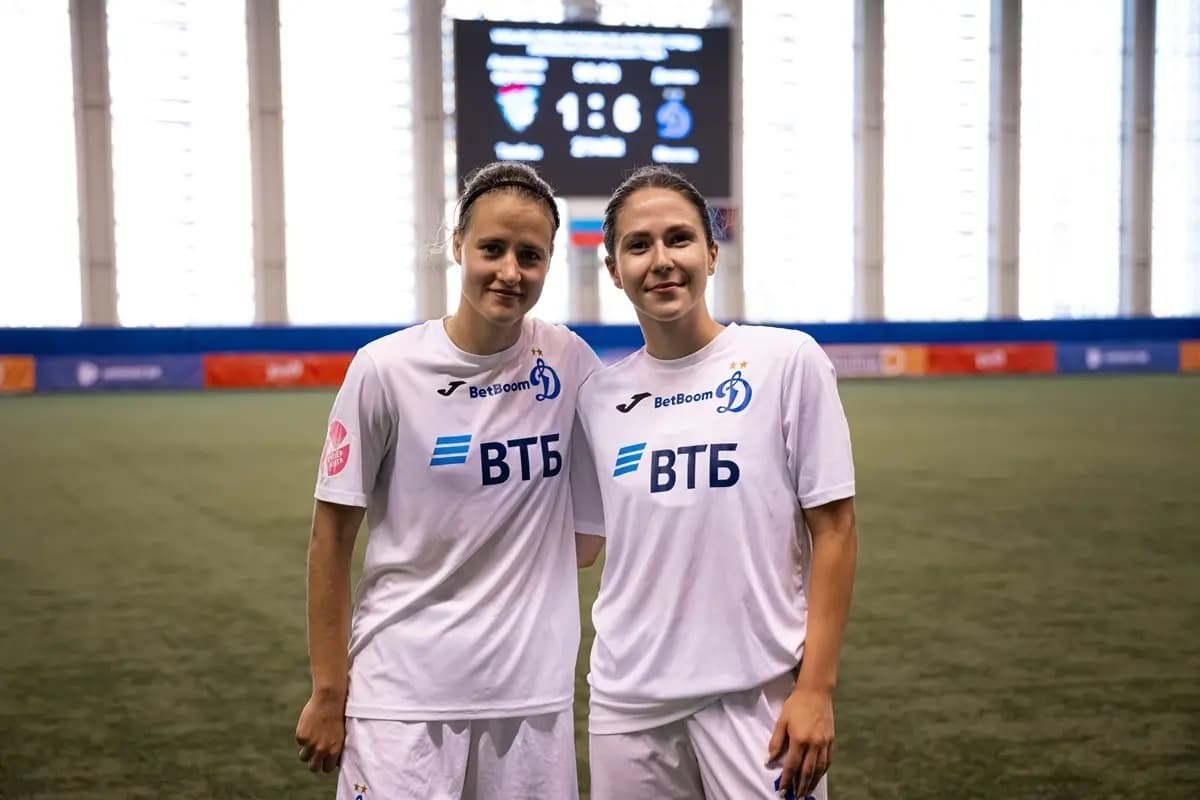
[{"x": 1026, "y": 621}]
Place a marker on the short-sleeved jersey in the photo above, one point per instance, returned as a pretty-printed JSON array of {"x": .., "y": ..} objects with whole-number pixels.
[
  {"x": 467, "y": 606},
  {"x": 704, "y": 464}
]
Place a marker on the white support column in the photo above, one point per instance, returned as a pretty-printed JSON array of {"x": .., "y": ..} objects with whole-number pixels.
[
  {"x": 266, "y": 161},
  {"x": 1004, "y": 156},
  {"x": 583, "y": 263},
  {"x": 93, "y": 154},
  {"x": 429, "y": 170},
  {"x": 1137, "y": 158},
  {"x": 868, "y": 160},
  {"x": 730, "y": 278}
]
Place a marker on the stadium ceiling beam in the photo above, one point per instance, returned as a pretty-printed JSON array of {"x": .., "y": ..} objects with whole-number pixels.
[
  {"x": 266, "y": 161},
  {"x": 429, "y": 171},
  {"x": 93, "y": 154},
  {"x": 730, "y": 278},
  {"x": 1137, "y": 158},
  {"x": 583, "y": 262},
  {"x": 868, "y": 160},
  {"x": 1004, "y": 156}
]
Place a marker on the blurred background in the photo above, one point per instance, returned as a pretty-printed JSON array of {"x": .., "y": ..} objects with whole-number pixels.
[{"x": 992, "y": 204}]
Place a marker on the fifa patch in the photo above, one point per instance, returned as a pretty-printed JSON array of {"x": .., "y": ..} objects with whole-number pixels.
[{"x": 337, "y": 449}]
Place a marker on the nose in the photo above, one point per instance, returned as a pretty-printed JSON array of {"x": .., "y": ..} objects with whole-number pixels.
[
  {"x": 661, "y": 258},
  {"x": 508, "y": 271}
]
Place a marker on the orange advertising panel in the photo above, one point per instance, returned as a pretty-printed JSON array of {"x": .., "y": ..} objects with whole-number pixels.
[
  {"x": 274, "y": 370},
  {"x": 990, "y": 359},
  {"x": 16, "y": 374},
  {"x": 1189, "y": 356},
  {"x": 876, "y": 360},
  {"x": 908, "y": 359}
]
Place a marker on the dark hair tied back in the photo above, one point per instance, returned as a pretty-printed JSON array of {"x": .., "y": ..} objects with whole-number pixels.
[
  {"x": 499, "y": 175},
  {"x": 653, "y": 178}
]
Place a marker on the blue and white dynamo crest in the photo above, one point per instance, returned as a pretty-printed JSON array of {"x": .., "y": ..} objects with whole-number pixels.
[
  {"x": 518, "y": 104},
  {"x": 736, "y": 393},
  {"x": 544, "y": 375}
]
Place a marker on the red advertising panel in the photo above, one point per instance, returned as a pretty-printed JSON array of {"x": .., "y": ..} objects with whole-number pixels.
[
  {"x": 16, "y": 374},
  {"x": 990, "y": 359},
  {"x": 1189, "y": 356},
  {"x": 274, "y": 370}
]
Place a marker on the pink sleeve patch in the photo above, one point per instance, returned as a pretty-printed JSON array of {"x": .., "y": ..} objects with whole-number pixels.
[{"x": 337, "y": 449}]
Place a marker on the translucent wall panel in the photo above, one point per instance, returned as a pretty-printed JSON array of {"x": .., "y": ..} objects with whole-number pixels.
[
  {"x": 181, "y": 162},
  {"x": 1175, "y": 275},
  {"x": 935, "y": 207},
  {"x": 39, "y": 228},
  {"x": 348, "y": 161},
  {"x": 797, "y": 217},
  {"x": 1070, "y": 157}
]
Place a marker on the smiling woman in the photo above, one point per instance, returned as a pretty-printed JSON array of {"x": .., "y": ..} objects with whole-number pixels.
[
  {"x": 745, "y": 448},
  {"x": 467, "y": 621}
]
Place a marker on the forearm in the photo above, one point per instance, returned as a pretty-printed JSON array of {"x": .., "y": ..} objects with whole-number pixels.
[
  {"x": 835, "y": 552},
  {"x": 330, "y": 551},
  {"x": 587, "y": 549}
]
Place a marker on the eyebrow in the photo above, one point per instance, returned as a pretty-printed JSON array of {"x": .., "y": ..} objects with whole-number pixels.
[
  {"x": 678, "y": 226},
  {"x": 482, "y": 240}
]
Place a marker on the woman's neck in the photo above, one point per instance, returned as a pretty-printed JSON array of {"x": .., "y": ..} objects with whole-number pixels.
[
  {"x": 679, "y": 337},
  {"x": 471, "y": 333}
]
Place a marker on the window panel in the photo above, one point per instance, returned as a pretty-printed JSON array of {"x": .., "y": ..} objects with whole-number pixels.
[
  {"x": 935, "y": 209},
  {"x": 1175, "y": 271},
  {"x": 797, "y": 220},
  {"x": 181, "y": 162},
  {"x": 39, "y": 229},
  {"x": 348, "y": 162},
  {"x": 1070, "y": 158}
]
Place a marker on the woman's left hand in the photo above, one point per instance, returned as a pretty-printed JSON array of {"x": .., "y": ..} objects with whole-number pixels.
[{"x": 803, "y": 740}]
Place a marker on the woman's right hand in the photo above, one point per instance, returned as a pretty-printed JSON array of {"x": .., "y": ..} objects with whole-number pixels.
[{"x": 321, "y": 731}]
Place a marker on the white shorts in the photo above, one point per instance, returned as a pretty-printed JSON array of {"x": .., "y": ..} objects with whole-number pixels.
[
  {"x": 715, "y": 754},
  {"x": 524, "y": 758}
]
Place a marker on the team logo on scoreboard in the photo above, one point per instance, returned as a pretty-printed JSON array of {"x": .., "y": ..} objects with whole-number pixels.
[
  {"x": 674, "y": 119},
  {"x": 518, "y": 104}
]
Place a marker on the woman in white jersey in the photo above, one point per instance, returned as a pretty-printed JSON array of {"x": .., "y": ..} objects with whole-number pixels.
[
  {"x": 727, "y": 485},
  {"x": 454, "y": 676}
]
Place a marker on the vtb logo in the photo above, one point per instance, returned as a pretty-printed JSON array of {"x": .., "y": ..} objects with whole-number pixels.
[
  {"x": 494, "y": 463},
  {"x": 665, "y": 468}
]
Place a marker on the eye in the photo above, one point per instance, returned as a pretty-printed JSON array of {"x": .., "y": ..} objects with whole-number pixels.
[
  {"x": 637, "y": 246},
  {"x": 491, "y": 249},
  {"x": 682, "y": 237},
  {"x": 531, "y": 256}
]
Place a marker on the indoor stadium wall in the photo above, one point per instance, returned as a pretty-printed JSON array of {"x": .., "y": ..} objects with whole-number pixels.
[{"x": 107, "y": 359}]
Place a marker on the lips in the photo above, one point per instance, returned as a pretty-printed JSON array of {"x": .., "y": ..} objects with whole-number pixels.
[{"x": 666, "y": 286}]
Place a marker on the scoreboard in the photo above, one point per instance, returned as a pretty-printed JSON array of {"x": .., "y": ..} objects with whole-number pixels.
[{"x": 584, "y": 103}]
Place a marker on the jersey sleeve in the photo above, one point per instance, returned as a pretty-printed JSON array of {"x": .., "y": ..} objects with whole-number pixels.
[
  {"x": 816, "y": 436},
  {"x": 357, "y": 437},
  {"x": 589, "y": 362},
  {"x": 585, "y": 487}
]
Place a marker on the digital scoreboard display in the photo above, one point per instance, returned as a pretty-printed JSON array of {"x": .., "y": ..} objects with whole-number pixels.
[{"x": 584, "y": 104}]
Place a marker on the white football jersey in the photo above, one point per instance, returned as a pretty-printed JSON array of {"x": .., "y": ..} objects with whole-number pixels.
[
  {"x": 468, "y": 604},
  {"x": 704, "y": 464}
]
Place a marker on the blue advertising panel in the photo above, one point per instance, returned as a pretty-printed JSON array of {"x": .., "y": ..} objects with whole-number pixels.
[
  {"x": 106, "y": 373},
  {"x": 1118, "y": 357}
]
